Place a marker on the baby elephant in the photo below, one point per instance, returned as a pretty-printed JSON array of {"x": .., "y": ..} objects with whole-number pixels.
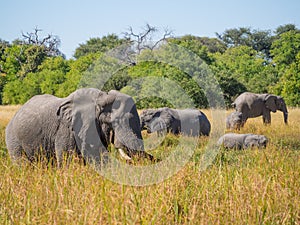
[
  {"x": 242, "y": 141},
  {"x": 234, "y": 121}
]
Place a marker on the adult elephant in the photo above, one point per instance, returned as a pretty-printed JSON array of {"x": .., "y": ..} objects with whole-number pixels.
[
  {"x": 253, "y": 105},
  {"x": 79, "y": 122},
  {"x": 190, "y": 122}
]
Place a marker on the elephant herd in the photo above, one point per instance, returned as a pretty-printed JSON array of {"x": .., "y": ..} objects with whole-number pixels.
[
  {"x": 250, "y": 105},
  {"x": 89, "y": 120}
]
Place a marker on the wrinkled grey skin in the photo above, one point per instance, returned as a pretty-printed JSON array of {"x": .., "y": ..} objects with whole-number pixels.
[
  {"x": 242, "y": 141},
  {"x": 253, "y": 105},
  {"x": 234, "y": 121},
  {"x": 190, "y": 122},
  {"x": 79, "y": 122}
]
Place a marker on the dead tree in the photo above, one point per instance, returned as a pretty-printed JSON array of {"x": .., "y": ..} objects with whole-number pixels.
[
  {"x": 50, "y": 42},
  {"x": 145, "y": 40},
  {"x": 34, "y": 49}
]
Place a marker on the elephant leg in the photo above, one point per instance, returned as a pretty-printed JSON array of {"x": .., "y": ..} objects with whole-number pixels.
[
  {"x": 267, "y": 118},
  {"x": 59, "y": 156},
  {"x": 64, "y": 143},
  {"x": 243, "y": 123},
  {"x": 15, "y": 150},
  {"x": 15, "y": 154}
]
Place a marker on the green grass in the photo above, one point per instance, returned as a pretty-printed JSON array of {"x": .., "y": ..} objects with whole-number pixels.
[{"x": 240, "y": 187}]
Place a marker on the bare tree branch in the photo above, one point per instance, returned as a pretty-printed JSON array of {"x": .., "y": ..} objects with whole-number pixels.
[
  {"x": 50, "y": 42},
  {"x": 142, "y": 41}
]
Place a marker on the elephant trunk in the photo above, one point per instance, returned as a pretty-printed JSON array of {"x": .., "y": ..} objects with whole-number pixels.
[
  {"x": 125, "y": 137},
  {"x": 285, "y": 113},
  {"x": 132, "y": 141},
  {"x": 285, "y": 116}
]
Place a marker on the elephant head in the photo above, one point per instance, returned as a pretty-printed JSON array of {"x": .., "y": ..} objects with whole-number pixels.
[
  {"x": 273, "y": 103},
  {"x": 91, "y": 113},
  {"x": 156, "y": 120},
  {"x": 234, "y": 121},
  {"x": 254, "y": 140},
  {"x": 125, "y": 123}
]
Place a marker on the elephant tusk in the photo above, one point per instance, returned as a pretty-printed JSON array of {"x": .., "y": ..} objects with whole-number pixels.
[{"x": 123, "y": 154}]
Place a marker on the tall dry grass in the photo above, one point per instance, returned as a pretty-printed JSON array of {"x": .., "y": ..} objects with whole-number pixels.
[{"x": 240, "y": 187}]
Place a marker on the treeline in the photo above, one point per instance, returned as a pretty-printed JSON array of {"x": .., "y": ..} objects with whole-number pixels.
[{"x": 242, "y": 59}]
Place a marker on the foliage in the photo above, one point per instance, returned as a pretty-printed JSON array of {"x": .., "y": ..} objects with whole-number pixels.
[
  {"x": 289, "y": 84},
  {"x": 258, "y": 40},
  {"x": 48, "y": 79},
  {"x": 238, "y": 60},
  {"x": 201, "y": 46},
  {"x": 213, "y": 44},
  {"x": 21, "y": 59},
  {"x": 247, "y": 66},
  {"x": 163, "y": 85},
  {"x": 96, "y": 45},
  {"x": 285, "y": 28},
  {"x": 170, "y": 77},
  {"x": 285, "y": 49},
  {"x": 74, "y": 75}
]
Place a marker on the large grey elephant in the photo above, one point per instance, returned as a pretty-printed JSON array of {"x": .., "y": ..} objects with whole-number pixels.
[
  {"x": 253, "y": 105},
  {"x": 191, "y": 122},
  {"x": 81, "y": 122},
  {"x": 242, "y": 141}
]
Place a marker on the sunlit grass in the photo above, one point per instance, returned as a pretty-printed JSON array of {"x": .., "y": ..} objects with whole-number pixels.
[
  {"x": 240, "y": 187},
  {"x": 6, "y": 113}
]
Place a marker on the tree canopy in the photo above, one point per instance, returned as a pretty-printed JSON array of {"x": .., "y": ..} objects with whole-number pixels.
[{"x": 241, "y": 59}]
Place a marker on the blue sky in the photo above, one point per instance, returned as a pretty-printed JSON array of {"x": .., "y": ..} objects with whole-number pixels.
[{"x": 76, "y": 21}]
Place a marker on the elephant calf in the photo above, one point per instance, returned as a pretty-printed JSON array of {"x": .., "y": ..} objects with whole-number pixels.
[
  {"x": 242, "y": 141},
  {"x": 190, "y": 122},
  {"x": 234, "y": 121}
]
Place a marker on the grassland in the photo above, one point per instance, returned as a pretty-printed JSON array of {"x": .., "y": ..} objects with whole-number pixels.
[{"x": 240, "y": 187}]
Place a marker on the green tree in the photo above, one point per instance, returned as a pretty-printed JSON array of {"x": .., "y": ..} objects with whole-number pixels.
[
  {"x": 50, "y": 75},
  {"x": 289, "y": 85},
  {"x": 176, "y": 64},
  {"x": 259, "y": 40},
  {"x": 201, "y": 46},
  {"x": 23, "y": 57},
  {"x": 247, "y": 68},
  {"x": 11, "y": 62},
  {"x": 96, "y": 45},
  {"x": 285, "y": 28},
  {"x": 19, "y": 91},
  {"x": 77, "y": 68},
  {"x": 285, "y": 49}
]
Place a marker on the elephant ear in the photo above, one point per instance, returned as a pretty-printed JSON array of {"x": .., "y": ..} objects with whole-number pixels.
[
  {"x": 158, "y": 121},
  {"x": 167, "y": 118},
  {"x": 64, "y": 112},
  {"x": 81, "y": 111},
  {"x": 104, "y": 105},
  {"x": 270, "y": 102}
]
